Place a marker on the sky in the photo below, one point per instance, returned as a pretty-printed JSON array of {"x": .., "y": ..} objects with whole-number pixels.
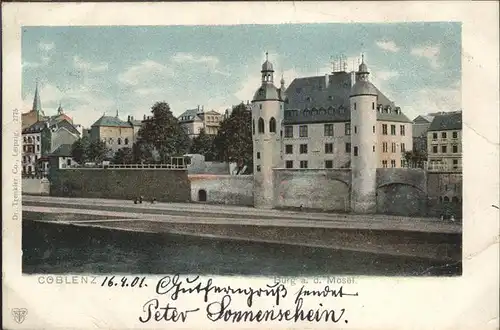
[{"x": 105, "y": 69}]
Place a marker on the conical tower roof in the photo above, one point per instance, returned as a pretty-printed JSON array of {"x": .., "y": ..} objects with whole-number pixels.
[{"x": 37, "y": 104}]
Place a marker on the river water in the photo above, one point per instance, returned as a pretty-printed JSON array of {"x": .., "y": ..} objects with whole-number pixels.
[{"x": 53, "y": 248}]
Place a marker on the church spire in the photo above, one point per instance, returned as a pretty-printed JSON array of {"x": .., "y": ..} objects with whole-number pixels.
[{"x": 37, "y": 104}]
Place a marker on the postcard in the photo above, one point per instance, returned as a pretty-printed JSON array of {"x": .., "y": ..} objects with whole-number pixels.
[{"x": 250, "y": 165}]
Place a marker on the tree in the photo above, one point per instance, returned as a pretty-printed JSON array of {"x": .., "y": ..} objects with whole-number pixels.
[
  {"x": 83, "y": 150},
  {"x": 79, "y": 150},
  {"x": 163, "y": 133},
  {"x": 203, "y": 145},
  {"x": 233, "y": 142},
  {"x": 97, "y": 151},
  {"x": 415, "y": 158},
  {"x": 123, "y": 156}
]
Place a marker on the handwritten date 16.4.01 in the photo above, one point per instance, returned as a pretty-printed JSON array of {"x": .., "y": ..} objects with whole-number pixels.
[{"x": 136, "y": 282}]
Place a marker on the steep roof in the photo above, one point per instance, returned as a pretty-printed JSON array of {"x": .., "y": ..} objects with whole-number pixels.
[
  {"x": 109, "y": 121},
  {"x": 326, "y": 99},
  {"x": 189, "y": 115},
  {"x": 35, "y": 128},
  {"x": 64, "y": 150},
  {"x": 447, "y": 121}
]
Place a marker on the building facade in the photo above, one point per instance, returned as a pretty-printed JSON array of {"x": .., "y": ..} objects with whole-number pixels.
[
  {"x": 43, "y": 134},
  {"x": 115, "y": 133},
  {"x": 444, "y": 141},
  {"x": 195, "y": 120},
  {"x": 420, "y": 127}
]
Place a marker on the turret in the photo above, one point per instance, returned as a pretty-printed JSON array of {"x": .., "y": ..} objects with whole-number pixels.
[
  {"x": 267, "y": 114},
  {"x": 363, "y": 103}
]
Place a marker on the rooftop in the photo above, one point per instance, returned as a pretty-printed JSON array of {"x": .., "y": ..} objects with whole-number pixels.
[
  {"x": 111, "y": 122},
  {"x": 64, "y": 150},
  {"x": 326, "y": 98},
  {"x": 447, "y": 121}
]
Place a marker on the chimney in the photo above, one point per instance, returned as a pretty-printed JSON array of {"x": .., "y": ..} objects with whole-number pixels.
[
  {"x": 327, "y": 80},
  {"x": 128, "y": 118},
  {"x": 202, "y": 108},
  {"x": 353, "y": 78}
]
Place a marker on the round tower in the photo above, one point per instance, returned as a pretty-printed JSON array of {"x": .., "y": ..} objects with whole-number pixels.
[
  {"x": 363, "y": 103},
  {"x": 267, "y": 114}
]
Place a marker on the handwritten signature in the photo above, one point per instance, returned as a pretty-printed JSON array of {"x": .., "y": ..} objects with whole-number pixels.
[{"x": 220, "y": 309}]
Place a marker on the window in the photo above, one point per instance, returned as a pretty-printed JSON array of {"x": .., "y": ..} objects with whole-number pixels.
[
  {"x": 455, "y": 135},
  {"x": 384, "y": 163},
  {"x": 443, "y": 149},
  {"x": 328, "y": 129},
  {"x": 303, "y": 164},
  {"x": 384, "y": 129},
  {"x": 289, "y": 149},
  {"x": 289, "y": 164},
  {"x": 119, "y": 141},
  {"x": 68, "y": 162},
  {"x": 126, "y": 140},
  {"x": 24, "y": 159},
  {"x": 303, "y": 148},
  {"x": 272, "y": 125},
  {"x": 434, "y": 136},
  {"x": 328, "y": 148},
  {"x": 354, "y": 105},
  {"x": 258, "y": 155},
  {"x": 455, "y": 164},
  {"x": 455, "y": 149},
  {"x": 348, "y": 129},
  {"x": 373, "y": 105},
  {"x": 402, "y": 163},
  {"x": 38, "y": 137},
  {"x": 110, "y": 140},
  {"x": 289, "y": 131},
  {"x": 260, "y": 106},
  {"x": 347, "y": 147},
  {"x": 402, "y": 130},
  {"x": 443, "y": 135},
  {"x": 38, "y": 147},
  {"x": 384, "y": 147},
  {"x": 393, "y": 129},
  {"x": 393, "y": 147},
  {"x": 446, "y": 199},
  {"x": 258, "y": 168},
  {"x": 434, "y": 149},
  {"x": 373, "y": 148},
  {"x": 328, "y": 163},
  {"x": 303, "y": 131},
  {"x": 403, "y": 148},
  {"x": 393, "y": 163},
  {"x": 30, "y": 140},
  {"x": 261, "y": 125},
  {"x": 253, "y": 126},
  {"x": 355, "y": 129},
  {"x": 355, "y": 151},
  {"x": 373, "y": 128}
]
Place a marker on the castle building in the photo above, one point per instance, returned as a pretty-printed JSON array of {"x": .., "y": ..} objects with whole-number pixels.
[
  {"x": 334, "y": 121},
  {"x": 444, "y": 142},
  {"x": 195, "y": 120},
  {"x": 318, "y": 127},
  {"x": 267, "y": 117}
]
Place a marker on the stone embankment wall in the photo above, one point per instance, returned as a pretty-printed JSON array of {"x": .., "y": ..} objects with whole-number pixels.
[
  {"x": 166, "y": 185},
  {"x": 222, "y": 189}
]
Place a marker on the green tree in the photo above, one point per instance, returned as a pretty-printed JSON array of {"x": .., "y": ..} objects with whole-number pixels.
[
  {"x": 415, "y": 158},
  {"x": 123, "y": 156},
  {"x": 79, "y": 150},
  {"x": 97, "y": 151},
  {"x": 203, "y": 144},
  {"x": 163, "y": 133},
  {"x": 233, "y": 142}
]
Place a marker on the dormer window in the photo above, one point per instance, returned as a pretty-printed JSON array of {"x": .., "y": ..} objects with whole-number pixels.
[{"x": 308, "y": 99}]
